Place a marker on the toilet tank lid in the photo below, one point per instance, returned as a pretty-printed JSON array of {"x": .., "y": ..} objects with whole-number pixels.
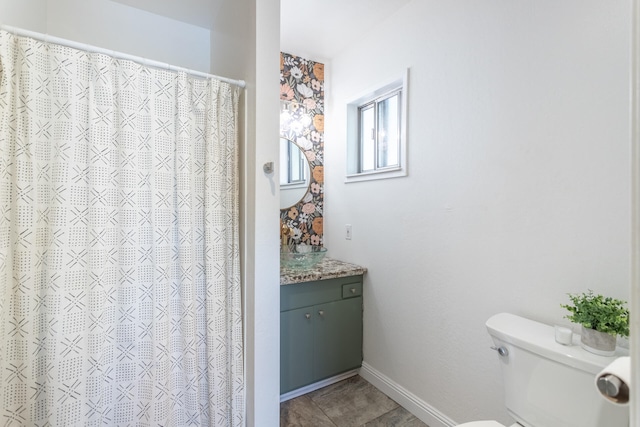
[{"x": 540, "y": 339}]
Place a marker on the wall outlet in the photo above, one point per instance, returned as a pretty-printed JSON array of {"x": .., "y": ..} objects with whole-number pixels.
[{"x": 347, "y": 232}]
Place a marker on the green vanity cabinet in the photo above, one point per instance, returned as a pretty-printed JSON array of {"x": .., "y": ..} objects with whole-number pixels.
[{"x": 320, "y": 330}]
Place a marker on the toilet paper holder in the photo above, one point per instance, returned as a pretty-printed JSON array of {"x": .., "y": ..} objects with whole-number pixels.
[
  {"x": 613, "y": 381},
  {"x": 609, "y": 385}
]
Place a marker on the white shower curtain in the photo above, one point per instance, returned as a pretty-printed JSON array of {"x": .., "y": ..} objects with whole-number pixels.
[{"x": 119, "y": 260}]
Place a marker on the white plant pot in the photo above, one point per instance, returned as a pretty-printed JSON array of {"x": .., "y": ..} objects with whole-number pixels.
[{"x": 597, "y": 342}]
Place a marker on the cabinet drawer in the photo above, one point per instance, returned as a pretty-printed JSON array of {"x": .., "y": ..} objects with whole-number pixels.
[
  {"x": 352, "y": 290},
  {"x": 318, "y": 292}
]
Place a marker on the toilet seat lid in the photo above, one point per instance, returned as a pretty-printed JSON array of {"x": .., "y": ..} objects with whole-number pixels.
[{"x": 490, "y": 423}]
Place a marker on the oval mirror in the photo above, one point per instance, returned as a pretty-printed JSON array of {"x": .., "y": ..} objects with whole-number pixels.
[{"x": 294, "y": 173}]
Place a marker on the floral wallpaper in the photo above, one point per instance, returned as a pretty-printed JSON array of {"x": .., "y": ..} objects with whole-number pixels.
[{"x": 302, "y": 93}]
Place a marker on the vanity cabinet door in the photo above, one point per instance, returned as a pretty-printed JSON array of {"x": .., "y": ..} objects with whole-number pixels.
[
  {"x": 338, "y": 337},
  {"x": 296, "y": 348}
]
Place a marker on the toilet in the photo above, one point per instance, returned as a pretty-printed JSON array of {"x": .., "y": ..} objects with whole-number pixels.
[{"x": 547, "y": 384}]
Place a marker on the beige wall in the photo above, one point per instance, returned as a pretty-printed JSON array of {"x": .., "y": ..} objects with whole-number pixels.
[
  {"x": 246, "y": 45},
  {"x": 114, "y": 26},
  {"x": 518, "y": 189}
]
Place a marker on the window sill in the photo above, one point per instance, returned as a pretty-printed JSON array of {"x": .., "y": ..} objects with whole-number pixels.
[{"x": 372, "y": 176}]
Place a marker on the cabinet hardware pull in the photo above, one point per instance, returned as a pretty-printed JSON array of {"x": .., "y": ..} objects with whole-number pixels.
[
  {"x": 307, "y": 316},
  {"x": 353, "y": 290},
  {"x": 321, "y": 312}
]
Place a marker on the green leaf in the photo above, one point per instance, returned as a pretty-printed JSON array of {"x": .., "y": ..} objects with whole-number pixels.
[{"x": 604, "y": 314}]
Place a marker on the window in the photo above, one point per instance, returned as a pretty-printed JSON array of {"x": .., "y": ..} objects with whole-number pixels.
[{"x": 377, "y": 133}]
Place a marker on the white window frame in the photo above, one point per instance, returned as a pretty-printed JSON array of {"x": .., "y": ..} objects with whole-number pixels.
[{"x": 354, "y": 174}]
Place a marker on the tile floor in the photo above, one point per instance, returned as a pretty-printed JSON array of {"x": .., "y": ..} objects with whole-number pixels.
[{"x": 353, "y": 402}]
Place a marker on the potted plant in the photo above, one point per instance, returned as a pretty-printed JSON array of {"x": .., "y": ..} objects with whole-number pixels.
[{"x": 602, "y": 319}]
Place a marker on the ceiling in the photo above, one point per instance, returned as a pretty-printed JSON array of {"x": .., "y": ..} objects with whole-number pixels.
[
  {"x": 321, "y": 29},
  {"x": 310, "y": 28}
]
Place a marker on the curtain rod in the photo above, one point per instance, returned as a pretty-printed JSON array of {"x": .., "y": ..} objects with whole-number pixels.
[{"x": 118, "y": 55}]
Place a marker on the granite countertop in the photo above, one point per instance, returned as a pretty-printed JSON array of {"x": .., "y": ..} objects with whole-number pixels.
[{"x": 328, "y": 268}]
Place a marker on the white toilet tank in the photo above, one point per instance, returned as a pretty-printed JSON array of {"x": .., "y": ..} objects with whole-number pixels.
[{"x": 547, "y": 384}]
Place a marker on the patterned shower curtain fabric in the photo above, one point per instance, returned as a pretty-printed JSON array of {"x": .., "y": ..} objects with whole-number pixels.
[{"x": 119, "y": 261}]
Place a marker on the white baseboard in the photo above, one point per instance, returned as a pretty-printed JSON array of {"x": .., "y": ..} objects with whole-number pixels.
[
  {"x": 418, "y": 407},
  {"x": 315, "y": 386}
]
